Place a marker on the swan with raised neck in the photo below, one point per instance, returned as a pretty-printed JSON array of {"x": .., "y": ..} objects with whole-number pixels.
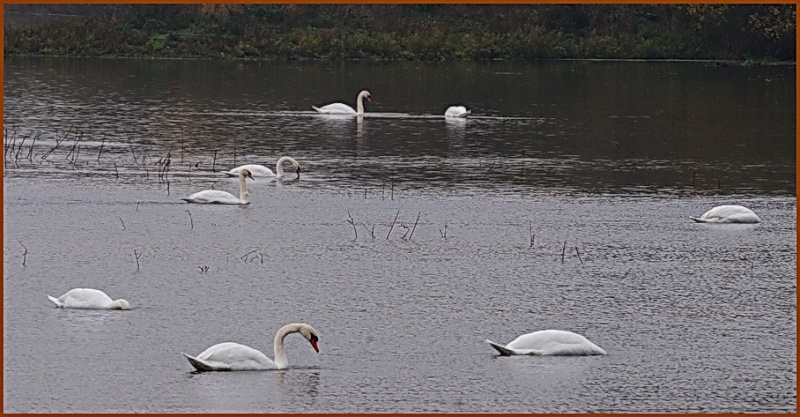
[
  {"x": 341, "y": 108},
  {"x": 262, "y": 171},
  {"x": 230, "y": 356},
  {"x": 223, "y": 197}
]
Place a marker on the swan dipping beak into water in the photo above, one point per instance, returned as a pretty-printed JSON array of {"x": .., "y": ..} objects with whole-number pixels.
[
  {"x": 262, "y": 171},
  {"x": 89, "y": 298},
  {"x": 728, "y": 214},
  {"x": 549, "y": 342},
  {"x": 341, "y": 108},
  {"x": 223, "y": 197},
  {"x": 231, "y": 356}
]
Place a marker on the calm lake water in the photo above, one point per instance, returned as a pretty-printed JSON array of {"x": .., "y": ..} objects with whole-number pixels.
[{"x": 408, "y": 240}]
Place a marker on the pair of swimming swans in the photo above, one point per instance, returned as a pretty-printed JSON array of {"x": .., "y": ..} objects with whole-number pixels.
[
  {"x": 226, "y": 356},
  {"x": 341, "y": 108},
  {"x": 243, "y": 172},
  {"x": 728, "y": 214}
]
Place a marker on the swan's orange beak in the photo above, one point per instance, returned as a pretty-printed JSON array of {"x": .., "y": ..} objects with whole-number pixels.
[
  {"x": 313, "y": 342},
  {"x": 369, "y": 99}
]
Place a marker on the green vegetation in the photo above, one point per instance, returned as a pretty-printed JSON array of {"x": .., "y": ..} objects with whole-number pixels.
[{"x": 410, "y": 32}]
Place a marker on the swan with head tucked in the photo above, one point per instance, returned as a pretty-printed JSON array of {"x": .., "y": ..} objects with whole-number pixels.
[
  {"x": 549, "y": 342},
  {"x": 341, "y": 108},
  {"x": 223, "y": 197},
  {"x": 457, "y": 111},
  {"x": 728, "y": 214},
  {"x": 231, "y": 356},
  {"x": 262, "y": 171},
  {"x": 89, "y": 298}
]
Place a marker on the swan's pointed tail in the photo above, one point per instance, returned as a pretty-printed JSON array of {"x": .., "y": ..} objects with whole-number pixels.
[
  {"x": 55, "y": 300},
  {"x": 504, "y": 351},
  {"x": 318, "y": 109},
  {"x": 198, "y": 364},
  {"x": 699, "y": 220}
]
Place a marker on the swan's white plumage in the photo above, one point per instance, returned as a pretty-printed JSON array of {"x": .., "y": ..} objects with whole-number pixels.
[
  {"x": 728, "y": 214},
  {"x": 231, "y": 356},
  {"x": 549, "y": 342},
  {"x": 457, "y": 111},
  {"x": 262, "y": 171},
  {"x": 341, "y": 108},
  {"x": 89, "y": 298},
  {"x": 223, "y": 197}
]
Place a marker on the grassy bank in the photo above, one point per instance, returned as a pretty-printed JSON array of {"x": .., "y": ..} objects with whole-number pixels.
[{"x": 407, "y": 32}]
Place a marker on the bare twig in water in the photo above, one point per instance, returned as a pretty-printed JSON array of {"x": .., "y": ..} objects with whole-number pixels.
[
  {"x": 563, "y": 251},
  {"x": 137, "y": 205},
  {"x": 24, "y": 254},
  {"x": 203, "y": 269},
  {"x": 415, "y": 225},
  {"x": 443, "y": 234},
  {"x": 370, "y": 231},
  {"x": 391, "y": 178},
  {"x": 138, "y": 255},
  {"x": 392, "y": 226},
  {"x": 352, "y": 223},
  {"x": 577, "y": 252},
  {"x": 123, "y": 224},
  {"x": 191, "y": 222},
  {"x": 214, "y": 162},
  {"x": 116, "y": 172},
  {"x": 407, "y": 230},
  {"x": 531, "y": 234},
  {"x": 101, "y": 148}
]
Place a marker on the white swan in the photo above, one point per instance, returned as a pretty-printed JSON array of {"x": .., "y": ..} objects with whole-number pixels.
[
  {"x": 728, "y": 214},
  {"x": 549, "y": 342},
  {"x": 231, "y": 356},
  {"x": 457, "y": 111},
  {"x": 89, "y": 298},
  {"x": 223, "y": 197},
  {"x": 341, "y": 108},
  {"x": 262, "y": 171}
]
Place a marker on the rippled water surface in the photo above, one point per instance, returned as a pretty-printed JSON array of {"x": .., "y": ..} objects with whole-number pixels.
[{"x": 407, "y": 240}]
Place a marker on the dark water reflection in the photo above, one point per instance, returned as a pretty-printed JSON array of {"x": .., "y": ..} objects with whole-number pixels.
[
  {"x": 563, "y": 203},
  {"x": 590, "y": 126}
]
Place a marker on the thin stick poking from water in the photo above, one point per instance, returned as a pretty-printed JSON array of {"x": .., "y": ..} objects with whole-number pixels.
[
  {"x": 116, "y": 172},
  {"x": 24, "y": 254},
  {"x": 531, "y": 234},
  {"x": 415, "y": 225},
  {"x": 577, "y": 252},
  {"x": 138, "y": 255},
  {"x": 563, "y": 251},
  {"x": 214, "y": 162},
  {"x": 191, "y": 222},
  {"x": 443, "y": 234},
  {"x": 352, "y": 223},
  {"x": 102, "y": 142},
  {"x": 393, "y": 222},
  {"x": 123, "y": 224}
]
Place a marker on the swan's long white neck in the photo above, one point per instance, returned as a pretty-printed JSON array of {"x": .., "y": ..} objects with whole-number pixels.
[
  {"x": 360, "y": 103},
  {"x": 281, "y": 361},
  {"x": 279, "y": 165},
  {"x": 243, "y": 194}
]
